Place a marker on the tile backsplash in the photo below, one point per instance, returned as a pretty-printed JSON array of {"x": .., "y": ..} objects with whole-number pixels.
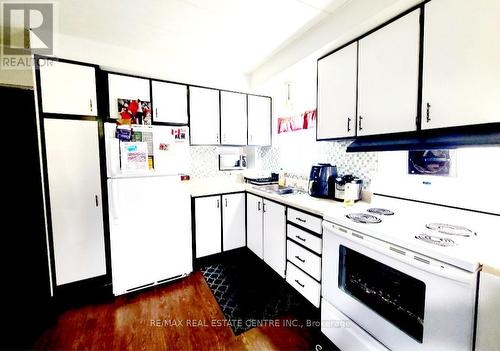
[{"x": 297, "y": 160}]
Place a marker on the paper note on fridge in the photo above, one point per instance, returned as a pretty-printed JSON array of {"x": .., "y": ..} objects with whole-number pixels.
[{"x": 134, "y": 156}]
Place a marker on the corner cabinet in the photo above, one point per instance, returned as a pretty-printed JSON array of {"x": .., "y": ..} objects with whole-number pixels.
[
  {"x": 337, "y": 84},
  {"x": 67, "y": 88},
  {"x": 219, "y": 223},
  {"x": 388, "y": 78},
  {"x": 254, "y": 225},
  {"x": 233, "y": 118},
  {"x": 259, "y": 120},
  {"x": 169, "y": 102},
  {"x": 461, "y": 72},
  {"x": 204, "y": 116},
  {"x": 208, "y": 225}
]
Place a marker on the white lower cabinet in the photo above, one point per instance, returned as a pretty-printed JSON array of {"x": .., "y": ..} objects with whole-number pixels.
[
  {"x": 75, "y": 210},
  {"x": 219, "y": 223},
  {"x": 207, "y": 225},
  {"x": 266, "y": 231},
  {"x": 274, "y": 236},
  {"x": 303, "y": 283},
  {"x": 254, "y": 225},
  {"x": 488, "y": 316},
  {"x": 233, "y": 221}
]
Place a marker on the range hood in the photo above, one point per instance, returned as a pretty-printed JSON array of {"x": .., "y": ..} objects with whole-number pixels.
[{"x": 445, "y": 138}]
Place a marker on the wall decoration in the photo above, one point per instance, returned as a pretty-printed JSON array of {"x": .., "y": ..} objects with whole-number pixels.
[
  {"x": 305, "y": 120},
  {"x": 134, "y": 111}
]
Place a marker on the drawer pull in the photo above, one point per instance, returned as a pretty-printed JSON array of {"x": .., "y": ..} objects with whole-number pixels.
[
  {"x": 300, "y": 219},
  {"x": 300, "y": 238},
  {"x": 300, "y": 259},
  {"x": 302, "y": 285}
]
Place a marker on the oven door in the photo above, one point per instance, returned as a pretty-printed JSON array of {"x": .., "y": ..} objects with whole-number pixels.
[{"x": 403, "y": 302}]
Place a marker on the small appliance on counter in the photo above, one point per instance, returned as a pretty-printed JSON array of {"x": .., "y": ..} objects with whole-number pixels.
[
  {"x": 341, "y": 185},
  {"x": 322, "y": 180}
]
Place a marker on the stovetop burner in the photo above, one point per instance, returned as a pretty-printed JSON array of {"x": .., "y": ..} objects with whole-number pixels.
[
  {"x": 436, "y": 240},
  {"x": 363, "y": 218},
  {"x": 450, "y": 229},
  {"x": 380, "y": 211}
]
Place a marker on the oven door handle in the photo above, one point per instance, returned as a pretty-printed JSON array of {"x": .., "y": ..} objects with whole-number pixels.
[{"x": 400, "y": 254}]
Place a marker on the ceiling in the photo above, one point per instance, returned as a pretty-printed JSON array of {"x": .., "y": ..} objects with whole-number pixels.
[{"x": 237, "y": 35}]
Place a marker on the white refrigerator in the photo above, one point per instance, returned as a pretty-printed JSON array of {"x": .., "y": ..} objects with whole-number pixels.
[{"x": 149, "y": 209}]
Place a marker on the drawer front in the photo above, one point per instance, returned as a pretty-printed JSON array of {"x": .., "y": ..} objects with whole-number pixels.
[
  {"x": 305, "y": 260},
  {"x": 304, "y": 284},
  {"x": 308, "y": 240},
  {"x": 305, "y": 220}
]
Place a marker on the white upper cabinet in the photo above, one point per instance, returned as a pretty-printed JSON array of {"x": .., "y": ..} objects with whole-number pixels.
[
  {"x": 68, "y": 88},
  {"x": 259, "y": 120},
  {"x": 125, "y": 87},
  {"x": 204, "y": 116},
  {"x": 233, "y": 118},
  {"x": 388, "y": 78},
  {"x": 169, "y": 102},
  {"x": 337, "y": 94},
  {"x": 461, "y": 70}
]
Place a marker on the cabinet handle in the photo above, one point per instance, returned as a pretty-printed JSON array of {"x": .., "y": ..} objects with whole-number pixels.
[
  {"x": 96, "y": 201},
  {"x": 258, "y": 206},
  {"x": 251, "y": 137},
  {"x": 300, "y": 238},
  {"x": 263, "y": 207},
  {"x": 225, "y": 202},
  {"x": 156, "y": 112},
  {"x": 217, "y": 137},
  {"x": 348, "y": 124},
  {"x": 428, "y": 113},
  {"x": 300, "y": 219},
  {"x": 300, "y": 259},
  {"x": 218, "y": 204},
  {"x": 90, "y": 104},
  {"x": 297, "y": 281},
  {"x": 360, "y": 125}
]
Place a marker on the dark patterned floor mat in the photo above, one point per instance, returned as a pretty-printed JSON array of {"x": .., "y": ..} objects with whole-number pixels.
[{"x": 249, "y": 293}]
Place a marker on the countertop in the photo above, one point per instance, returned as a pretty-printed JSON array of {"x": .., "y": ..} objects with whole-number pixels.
[{"x": 488, "y": 256}]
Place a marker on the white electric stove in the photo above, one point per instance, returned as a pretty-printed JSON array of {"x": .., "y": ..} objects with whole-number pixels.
[{"x": 403, "y": 273}]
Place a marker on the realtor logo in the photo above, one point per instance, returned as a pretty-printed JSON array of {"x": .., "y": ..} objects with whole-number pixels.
[{"x": 27, "y": 28}]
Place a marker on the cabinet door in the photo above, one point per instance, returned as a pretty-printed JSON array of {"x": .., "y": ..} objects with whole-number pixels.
[
  {"x": 254, "y": 225},
  {"x": 233, "y": 118},
  {"x": 275, "y": 236},
  {"x": 169, "y": 102},
  {"x": 259, "y": 120},
  {"x": 461, "y": 72},
  {"x": 388, "y": 78},
  {"x": 208, "y": 225},
  {"x": 337, "y": 80},
  {"x": 125, "y": 87},
  {"x": 488, "y": 318},
  {"x": 204, "y": 116},
  {"x": 233, "y": 221},
  {"x": 68, "y": 88},
  {"x": 76, "y": 210}
]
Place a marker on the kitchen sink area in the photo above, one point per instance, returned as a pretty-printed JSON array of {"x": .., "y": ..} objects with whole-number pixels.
[{"x": 279, "y": 190}]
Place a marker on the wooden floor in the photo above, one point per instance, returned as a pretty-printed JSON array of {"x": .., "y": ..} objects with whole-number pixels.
[{"x": 141, "y": 322}]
